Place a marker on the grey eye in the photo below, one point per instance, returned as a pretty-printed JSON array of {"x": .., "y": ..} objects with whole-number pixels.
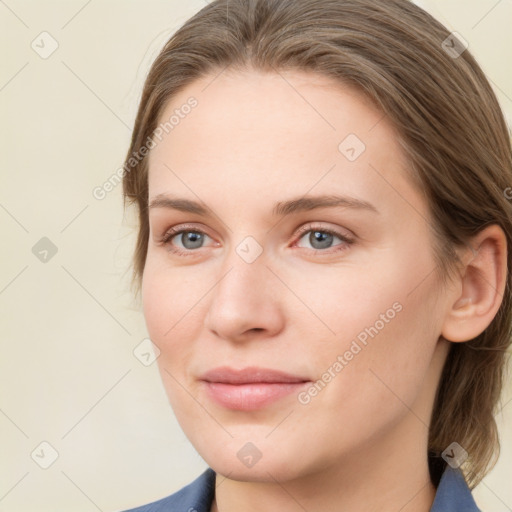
[
  {"x": 190, "y": 239},
  {"x": 320, "y": 239}
]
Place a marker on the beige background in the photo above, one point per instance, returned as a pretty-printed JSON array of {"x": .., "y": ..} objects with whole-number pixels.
[{"x": 69, "y": 326}]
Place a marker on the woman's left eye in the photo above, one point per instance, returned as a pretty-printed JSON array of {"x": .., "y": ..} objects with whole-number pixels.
[{"x": 321, "y": 239}]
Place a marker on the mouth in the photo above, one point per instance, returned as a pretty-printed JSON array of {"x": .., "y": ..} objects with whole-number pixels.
[{"x": 251, "y": 388}]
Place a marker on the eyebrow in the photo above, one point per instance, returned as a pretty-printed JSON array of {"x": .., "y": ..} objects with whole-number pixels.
[{"x": 304, "y": 203}]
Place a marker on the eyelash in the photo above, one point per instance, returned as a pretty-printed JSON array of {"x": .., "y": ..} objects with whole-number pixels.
[{"x": 171, "y": 233}]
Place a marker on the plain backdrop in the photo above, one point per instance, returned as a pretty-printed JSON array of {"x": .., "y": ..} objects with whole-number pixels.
[{"x": 84, "y": 424}]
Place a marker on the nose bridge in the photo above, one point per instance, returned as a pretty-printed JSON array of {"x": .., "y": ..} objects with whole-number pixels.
[
  {"x": 244, "y": 297},
  {"x": 244, "y": 281}
]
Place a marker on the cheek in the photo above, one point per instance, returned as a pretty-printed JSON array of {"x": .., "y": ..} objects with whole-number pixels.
[
  {"x": 386, "y": 377},
  {"x": 171, "y": 320},
  {"x": 171, "y": 298},
  {"x": 172, "y": 310},
  {"x": 386, "y": 322}
]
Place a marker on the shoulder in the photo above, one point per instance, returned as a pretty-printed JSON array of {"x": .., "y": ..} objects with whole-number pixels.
[{"x": 194, "y": 497}]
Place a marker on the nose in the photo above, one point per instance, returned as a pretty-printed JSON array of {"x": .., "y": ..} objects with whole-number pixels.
[{"x": 245, "y": 303}]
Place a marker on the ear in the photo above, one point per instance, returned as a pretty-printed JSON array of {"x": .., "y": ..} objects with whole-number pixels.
[{"x": 481, "y": 285}]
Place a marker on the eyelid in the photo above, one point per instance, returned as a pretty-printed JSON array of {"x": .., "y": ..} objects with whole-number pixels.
[
  {"x": 180, "y": 228},
  {"x": 303, "y": 229},
  {"x": 312, "y": 226}
]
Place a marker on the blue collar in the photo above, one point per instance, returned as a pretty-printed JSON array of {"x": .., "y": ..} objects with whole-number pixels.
[{"x": 453, "y": 495}]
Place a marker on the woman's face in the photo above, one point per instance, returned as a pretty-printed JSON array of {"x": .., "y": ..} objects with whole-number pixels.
[{"x": 306, "y": 250}]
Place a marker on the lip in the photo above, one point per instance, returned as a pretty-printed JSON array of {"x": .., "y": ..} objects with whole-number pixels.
[
  {"x": 250, "y": 388},
  {"x": 250, "y": 375}
]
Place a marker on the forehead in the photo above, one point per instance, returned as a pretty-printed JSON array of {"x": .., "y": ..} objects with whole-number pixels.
[
  {"x": 278, "y": 108},
  {"x": 274, "y": 132}
]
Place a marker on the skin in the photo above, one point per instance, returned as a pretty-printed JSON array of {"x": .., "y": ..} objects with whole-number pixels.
[{"x": 360, "y": 444}]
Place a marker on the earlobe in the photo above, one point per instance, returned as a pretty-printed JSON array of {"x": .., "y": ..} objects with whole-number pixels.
[{"x": 482, "y": 284}]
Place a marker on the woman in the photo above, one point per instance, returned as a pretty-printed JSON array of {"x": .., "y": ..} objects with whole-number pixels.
[{"x": 322, "y": 255}]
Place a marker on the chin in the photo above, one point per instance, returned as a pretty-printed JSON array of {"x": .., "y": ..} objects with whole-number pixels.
[
  {"x": 248, "y": 462},
  {"x": 261, "y": 472}
]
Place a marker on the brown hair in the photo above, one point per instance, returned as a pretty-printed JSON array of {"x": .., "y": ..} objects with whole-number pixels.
[{"x": 452, "y": 131}]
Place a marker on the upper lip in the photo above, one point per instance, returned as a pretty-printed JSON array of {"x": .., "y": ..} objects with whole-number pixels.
[{"x": 249, "y": 375}]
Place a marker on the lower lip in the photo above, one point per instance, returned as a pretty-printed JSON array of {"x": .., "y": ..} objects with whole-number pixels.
[{"x": 249, "y": 397}]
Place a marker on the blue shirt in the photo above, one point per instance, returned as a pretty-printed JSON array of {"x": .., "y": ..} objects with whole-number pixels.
[{"x": 453, "y": 495}]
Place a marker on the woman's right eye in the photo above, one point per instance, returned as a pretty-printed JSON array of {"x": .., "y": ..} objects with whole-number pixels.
[{"x": 184, "y": 241}]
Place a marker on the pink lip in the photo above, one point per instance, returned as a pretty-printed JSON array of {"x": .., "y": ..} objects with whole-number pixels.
[{"x": 250, "y": 388}]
